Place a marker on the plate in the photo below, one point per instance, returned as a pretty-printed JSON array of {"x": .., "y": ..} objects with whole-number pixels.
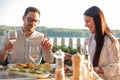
[
  {"x": 52, "y": 66},
  {"x": 27, "y": 70},
  {"x": 1, "y": 66},
  {"x": 30, "y": 75},
  {"x": 69, "y": 68}
]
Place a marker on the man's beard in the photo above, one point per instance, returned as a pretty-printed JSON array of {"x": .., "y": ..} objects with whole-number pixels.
[{"x": 29, "y": 28}]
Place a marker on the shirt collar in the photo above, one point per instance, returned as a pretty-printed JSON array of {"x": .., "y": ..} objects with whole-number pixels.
[{"x": 31, "y": 36}]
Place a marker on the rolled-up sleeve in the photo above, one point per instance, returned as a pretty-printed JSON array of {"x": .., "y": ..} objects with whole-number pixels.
[{"x": 48, "y": 57}]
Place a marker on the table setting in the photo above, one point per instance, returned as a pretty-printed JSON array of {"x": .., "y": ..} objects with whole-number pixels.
[
  {"x": 44, "y": 71},
  {"x": 29, "y": 72}
]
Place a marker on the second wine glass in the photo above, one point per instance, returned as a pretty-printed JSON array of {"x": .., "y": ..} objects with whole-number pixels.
[{"x": 34, "y": 53}]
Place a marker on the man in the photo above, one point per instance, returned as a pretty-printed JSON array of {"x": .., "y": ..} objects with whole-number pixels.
[{"x": 27, "y": 36}]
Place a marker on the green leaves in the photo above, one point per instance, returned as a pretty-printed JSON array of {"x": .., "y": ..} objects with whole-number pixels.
[
  {"x": 3, "y": 63},
  {"x": 66, "y": 49}
]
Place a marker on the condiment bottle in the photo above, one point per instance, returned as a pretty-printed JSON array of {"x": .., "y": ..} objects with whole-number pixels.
[
  {"x": 59, "y": 71},
  {"x": 76, "y": 64},
  {"x": 86, "y": 69}
]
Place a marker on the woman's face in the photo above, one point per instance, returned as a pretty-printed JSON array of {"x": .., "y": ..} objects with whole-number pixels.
[{"x": 89, "y": 22}]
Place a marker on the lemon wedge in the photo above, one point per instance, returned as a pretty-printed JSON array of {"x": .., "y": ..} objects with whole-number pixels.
[{"x": 47, "y": 66}]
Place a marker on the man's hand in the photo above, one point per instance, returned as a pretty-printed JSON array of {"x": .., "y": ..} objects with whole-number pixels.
[
  {"x": 46, "y": 45},
  {"x": 8, "y": 46}
]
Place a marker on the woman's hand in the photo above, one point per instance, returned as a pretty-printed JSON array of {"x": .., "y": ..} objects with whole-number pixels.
[{"x": 99, "y": 70}]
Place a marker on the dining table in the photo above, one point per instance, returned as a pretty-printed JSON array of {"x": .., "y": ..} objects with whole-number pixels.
[{"x": 6, "y": 75}]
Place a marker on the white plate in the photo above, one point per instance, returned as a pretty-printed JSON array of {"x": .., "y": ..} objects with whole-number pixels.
[
  {"x": 1, "y": 66},
  {"x": 10, "y": 65},
  {"x": 30, "y": 75},
  {"x": 67, "y": 74},
  {"x": 52, "y": 66}
]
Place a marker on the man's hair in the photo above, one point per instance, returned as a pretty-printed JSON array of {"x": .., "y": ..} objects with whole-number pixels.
[{"x": 31, "y": 9}]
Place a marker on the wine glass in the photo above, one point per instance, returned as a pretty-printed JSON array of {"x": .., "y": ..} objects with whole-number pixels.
[
  {"x": 34, "y": 53},
  {"x": 12, "y": 36}
]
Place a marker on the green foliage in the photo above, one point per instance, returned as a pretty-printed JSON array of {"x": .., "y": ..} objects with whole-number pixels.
[
  {"x": 3, "y": 63},
  {"x": 66, "y": 49}
]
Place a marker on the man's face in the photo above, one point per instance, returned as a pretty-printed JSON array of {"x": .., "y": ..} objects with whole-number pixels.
[{"x": 30, "y": 21}]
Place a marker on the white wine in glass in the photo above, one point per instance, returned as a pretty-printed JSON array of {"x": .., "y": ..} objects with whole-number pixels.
[
  {"x": 12, "y": 35},
  {"x": 34, "y": 53}
]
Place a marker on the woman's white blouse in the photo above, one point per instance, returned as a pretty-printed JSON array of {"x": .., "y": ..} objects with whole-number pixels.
[{"x": 109, "y": 59}]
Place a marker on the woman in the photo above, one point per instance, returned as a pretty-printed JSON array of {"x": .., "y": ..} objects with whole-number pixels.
[{"x": 103, "y": 47}]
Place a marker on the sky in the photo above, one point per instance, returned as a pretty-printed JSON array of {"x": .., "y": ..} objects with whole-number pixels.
[{"x": 59, "y": 13}]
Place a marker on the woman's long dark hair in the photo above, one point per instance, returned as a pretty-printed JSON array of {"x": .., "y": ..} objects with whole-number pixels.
[{"x": 101, "y": 29}]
